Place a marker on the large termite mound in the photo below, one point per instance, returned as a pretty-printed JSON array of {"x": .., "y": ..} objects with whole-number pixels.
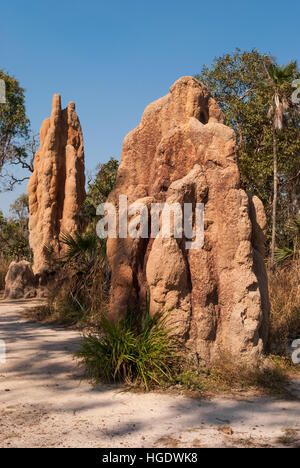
[{"x": 181, "y": 152}]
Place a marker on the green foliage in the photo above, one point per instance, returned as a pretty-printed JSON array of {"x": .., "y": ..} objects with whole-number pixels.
[
  {"x": 284, "y": 74},
  {"x": 14, "y": 240},
  {"x": 80, "y": 291},
  {"x": 240, "y": 83},
  {"x": 291, "y": 251},
  {"x": 283, "y": 254},
  {"x": 14, "y": 243},
  {"x": 129, "y": 351},
  {"x": 85, "y": 275},
  {"x": 100, "y": 187},
  {"x": 82, "y": 248},
  {"x": 14, "y": 124},
  {"x": 280, "y": 79},
  {"x": 20, "y": 208},
  {"x": 105, "y": 181}
]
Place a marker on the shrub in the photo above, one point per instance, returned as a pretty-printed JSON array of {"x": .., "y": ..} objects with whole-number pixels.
[
  {"x": 129, "y": 351},
  {"x": 80, "y": 295},
  {"x": 79, "y": 292}
]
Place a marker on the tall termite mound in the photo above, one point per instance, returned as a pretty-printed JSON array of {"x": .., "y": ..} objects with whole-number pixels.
[{"x": 56, "y": 188}]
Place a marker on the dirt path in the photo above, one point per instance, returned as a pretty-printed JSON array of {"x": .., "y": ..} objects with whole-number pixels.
[{"x": 44, "y": 403}]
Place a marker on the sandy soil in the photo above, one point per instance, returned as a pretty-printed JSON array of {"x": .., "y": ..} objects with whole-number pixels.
[{"x": 45, "y": 403}]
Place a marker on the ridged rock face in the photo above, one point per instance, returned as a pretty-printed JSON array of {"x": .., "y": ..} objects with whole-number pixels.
[
  {"x": 56, "y": 188},
  {"x": 217, "y": 295}
]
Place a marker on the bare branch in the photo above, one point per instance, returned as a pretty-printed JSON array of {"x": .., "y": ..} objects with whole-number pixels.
[
  {"x": 248, "y": 91},
  {"x": 20, "y": 157}
]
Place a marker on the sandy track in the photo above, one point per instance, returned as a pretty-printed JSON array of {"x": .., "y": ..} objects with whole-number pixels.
[{"x": 44, "y": 402}]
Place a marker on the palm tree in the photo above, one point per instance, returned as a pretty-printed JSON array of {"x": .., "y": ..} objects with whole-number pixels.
[{"x": 280, "y": 79}]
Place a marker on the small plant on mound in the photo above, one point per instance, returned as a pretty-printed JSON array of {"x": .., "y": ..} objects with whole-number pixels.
[{"x": 139, "y": 353}]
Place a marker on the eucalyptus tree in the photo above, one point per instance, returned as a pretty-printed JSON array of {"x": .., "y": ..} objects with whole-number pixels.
[{"x": 16, "y": 141}]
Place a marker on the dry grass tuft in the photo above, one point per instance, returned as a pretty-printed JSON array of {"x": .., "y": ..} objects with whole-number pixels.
[
  {"x": 4, "y": 264},
  {"x": 284, "y": 286},
  {"x": 226, "y": 375},
  {"x": 77, "y": 297},
  {"x": 289, "y": 436},
  {"x": 167, "y": 442}
]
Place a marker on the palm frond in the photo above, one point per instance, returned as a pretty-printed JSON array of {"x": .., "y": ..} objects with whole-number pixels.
[
  {"x": 78, "y": 244},
  {"x": 280, "y": 75},
  {"x": 283, "y": 254},
  {"x": 294, "y": 225}
]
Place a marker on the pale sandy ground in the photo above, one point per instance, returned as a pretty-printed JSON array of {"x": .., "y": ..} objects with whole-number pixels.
[{"x": 44, "y": 402}]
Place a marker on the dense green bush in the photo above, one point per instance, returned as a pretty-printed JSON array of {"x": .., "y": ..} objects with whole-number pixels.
[{"x": 129, "y": 351}]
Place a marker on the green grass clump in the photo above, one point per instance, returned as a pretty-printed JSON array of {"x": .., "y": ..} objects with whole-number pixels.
[{"x": 136, "y": 353}]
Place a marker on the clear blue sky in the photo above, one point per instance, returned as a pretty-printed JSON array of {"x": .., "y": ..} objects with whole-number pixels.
[{"x": 113, "y": 58}]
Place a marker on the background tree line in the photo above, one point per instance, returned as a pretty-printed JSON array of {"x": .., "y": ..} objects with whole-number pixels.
[{"x": 255, "y": 93}]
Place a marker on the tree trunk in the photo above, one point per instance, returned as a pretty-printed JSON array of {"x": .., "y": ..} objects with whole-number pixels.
[{"x": 275, "y": 194}]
